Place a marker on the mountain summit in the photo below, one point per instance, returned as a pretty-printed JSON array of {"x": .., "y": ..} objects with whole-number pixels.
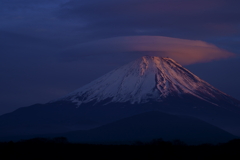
[
  {"x": 145, "y": 86},
  {"x": 147, "y": 79}
]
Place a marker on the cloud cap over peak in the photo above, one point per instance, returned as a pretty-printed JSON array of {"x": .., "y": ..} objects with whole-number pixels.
[{"x": 182, "y": 50}]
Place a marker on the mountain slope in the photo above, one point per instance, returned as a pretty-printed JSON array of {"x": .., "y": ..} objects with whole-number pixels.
[
  {"x": 154, "y": 83},
  {"x": 153, "y": 125},
  {"x": 147, "y": 79}
]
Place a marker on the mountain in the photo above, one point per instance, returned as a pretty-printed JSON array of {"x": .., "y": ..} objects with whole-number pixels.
[
  {"x": 145, "y": 85},
  {"x": 154, "y": 83},
  {"x": 148, "y": 79}
]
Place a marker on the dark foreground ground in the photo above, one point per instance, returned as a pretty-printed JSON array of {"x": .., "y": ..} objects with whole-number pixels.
[{"x": 60, "y": 148}]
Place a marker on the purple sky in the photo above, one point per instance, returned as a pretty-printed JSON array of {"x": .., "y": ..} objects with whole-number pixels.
[{"x": 49, "y": 48}]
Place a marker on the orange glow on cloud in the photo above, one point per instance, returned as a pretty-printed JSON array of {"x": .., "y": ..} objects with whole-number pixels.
[{"x": 183, "y": 51}]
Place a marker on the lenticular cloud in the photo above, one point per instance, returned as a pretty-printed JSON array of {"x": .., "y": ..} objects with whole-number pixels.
[{"x": 183, "y": 51}]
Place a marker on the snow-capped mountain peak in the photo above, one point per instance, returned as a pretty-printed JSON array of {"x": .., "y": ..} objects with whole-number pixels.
[{"x": 145, "y": 79}]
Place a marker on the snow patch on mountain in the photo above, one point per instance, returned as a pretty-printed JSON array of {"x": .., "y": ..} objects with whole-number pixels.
[{"x": 147, "y": 78}]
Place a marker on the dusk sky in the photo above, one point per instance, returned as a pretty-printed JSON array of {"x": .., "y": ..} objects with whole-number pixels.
[{"x": 49, "y": 48}]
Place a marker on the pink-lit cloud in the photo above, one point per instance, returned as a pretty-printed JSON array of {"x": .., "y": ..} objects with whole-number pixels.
[{"x": 182, "y": 50}]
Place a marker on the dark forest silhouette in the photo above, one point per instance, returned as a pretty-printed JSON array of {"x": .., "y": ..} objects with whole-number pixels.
[{"x": 60, "y": 148}]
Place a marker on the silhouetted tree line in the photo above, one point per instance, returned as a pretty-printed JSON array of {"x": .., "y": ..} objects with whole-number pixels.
[{"x": 60, "y": 148}]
